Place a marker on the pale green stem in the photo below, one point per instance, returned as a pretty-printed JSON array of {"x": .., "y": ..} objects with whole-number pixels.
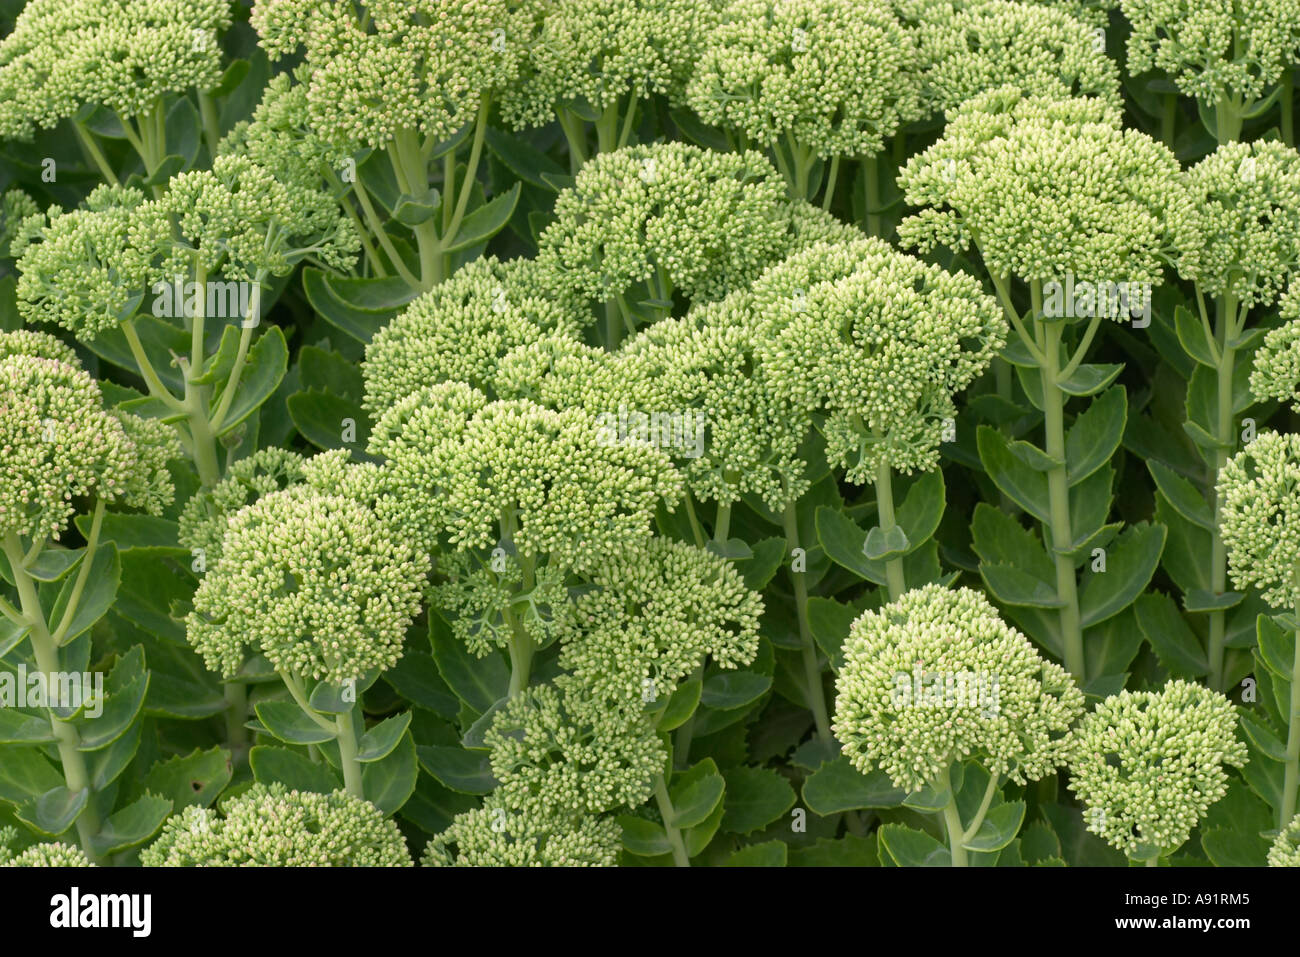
[
  {"x": 680, "y": 858},
  {"x": 79, "y": 586},
  {"x": 95, "y": 153},
  {"x": 1060, "y": 530},
  {"x": 381, "y": 235},
  {"x": 1291, "y": 776},
  {"x": 46, "y": 651},
  {"x": 146, "y": 369},
  {"x": 1225, "y": 334},
  {"x": 830, "y": 182},
  {"x": 952, "y": 822},
  {"x": 887, "y": 521},
  {"x": 347, "y": 741},
  {"x": 811, "y": 666}
]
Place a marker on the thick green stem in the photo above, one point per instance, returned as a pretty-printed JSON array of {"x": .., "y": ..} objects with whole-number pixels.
[
  {"x": 347, "y": 740},
  {"x": 686, "y": 733},
  {"x": 1059, "y": 525},
  {"x": 1225, "y": 334},
  {"x": 885, "y": 518},
  {"x": 1169, "y": 119},
  {"x": 871, "y": 176},
  {"x": 575, "y": 136},
  {"x": 521, "y": 655},
  {"x": 952, "y": 822},
  {"x": 1291, "y": 776},
  {"x": 236, "y": 696},
  {"x": 829, "y": 195},
  {"x": 46, "y": 651},
  {"x": 722, "y": 523},
  {"x": 95, "y": 154},
  {"x": 680, "y": 858},
  {"x": 1227, "y": 120},
  {"x": 211, "y": 124},
  {"x": 811, "y": 666},
  {"x": 83, "y": 573}
]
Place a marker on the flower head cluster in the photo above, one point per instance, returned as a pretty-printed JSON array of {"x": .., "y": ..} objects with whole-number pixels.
[
  {"x": 1213, "y": 50},
  {"x": 121, "y": 54},
  {"x": 205, "y": 518},
  {"x": 271, "y": 826},
  {"x": 671, "y": 217},
  {"x": 1244, "y": 216},
  {"x": 561, "y": 750},
  {"x": 496, "y": 836},
  {"x": 315, "y": 578},
  {"x": 970, "y": 46},
  {"x": 88, "y": 269},
  {"x": 1259, "y": 492},
  {"x": 1285, "y": 851},
  {"x": 879, "y": 342},
  {"x": 1045, "y": 188},
  {"x": 15, "y": 206},
  {"x": 39, "y": 855},
  {"x": 937, "y": 677},
  {"x": 596, "y": 51},
  {"x": 657, "y": 615},
  {"x": 546, "y": 483},
  {"x": 418, "y": 66},
  {"x": 839, "y": 76},
  {"x": 1147, "y": 765},
  {"x": 1277, "y": 363},
  {"x": 58, "y": 442},
  {"x": 460, "y": 330}
]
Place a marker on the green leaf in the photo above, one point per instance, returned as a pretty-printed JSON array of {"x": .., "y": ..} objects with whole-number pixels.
[
  {"x": 922, "y": 509},
  {"x": 415, "y": 210},
  {"x": 97, "y": 596},
  {"x": 286, "y": 721},
  {"x": 417, "y": 679},
  {"x": 1020, "y": 483},
  {"x": 1033, "y": 456},
  {"x": 830, "y": 621},
  {"x": 479, "y": 682},
  {"x": 26, "y": 773},
  {"x": 1227, "y": 848},
  {"x": 999, "y": 827},
  {"x": 762, "y": 563},
  {"x": 1182, "y": 495},
  {"x": 838, "y": 786},
  {"x": 19, "y": 728},
  {"x": 128, "y": 531},
  {"x": 358, "y": 307},
  {"x": 733, "y": 689},
  {"x": 124, "y": 689},
  {"x": 379, "y": 742},
  {"x": 329, "y": 421},
  {"x": 1013, "y": 586},
  {"x": 696, "y": 793},
  {"x": 292, "y": 769},
  {"x": 389, "y": 782},
  {"x": 475, "y": 737},
  {"x": 767, "y": 854},
  {"x": 1191, "y": 336},
  {"x": 53, "y": 563},
  {"x": 1038, "y": 842},
  {"x": 11, "y": 635},
  {"x": 53, "y": 812},
  {"x": 847, "y": 851},
  {"x": 1090, "y": 379},
  {"x": 1263, "y": 737},
  {"x": 1129, "y": 567},
  {"x": 881, "y": 545},
  {"x": 1200, "y": 600},
  {"x": 525, "y": 162},
  {"x": 133, "y": 825},
  {"x": 755, "y": 797},
  {"x": 466, "y": 772},
  {"x": 845, "y": 544},
  {"x": 330, "y": 371},
  {"x": 330, "y": 698},
  {"x": 267, "y": 361},
  {"x": 644, "y": 838},
  {"x": 697, "y": 838},
  {"x": 909, "y": 847},
  {"x": 195, "y": 779},
  {"x": 1096, "y": 434},
  {"x": 107, "y": 763},
  {"x": 1172, "y": 639},
  {"x": 681, "y": 705},
  {"x": 486, "y": 221},
  {"x": 1276, "y": 646}
]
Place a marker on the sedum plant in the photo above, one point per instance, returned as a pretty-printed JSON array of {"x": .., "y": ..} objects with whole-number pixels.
[
  {"x": 935, "y": 678},
  {"x": 1260, "y": 523},
  {"x": 64, "y": 453},
  {"x": 271, "y": 826},
  {"x": 1148, "y": 765},
  {"x": 1058, "y": 201},
  {"x": 816, "y": 82}
]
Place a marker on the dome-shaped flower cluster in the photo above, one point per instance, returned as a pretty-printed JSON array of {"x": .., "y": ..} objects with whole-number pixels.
[
  {"x": 271, "y": 826},
  {"x": 1147, "y": 765},
  {"x": 937, "y": 677},
  {"x": 1277, "y": 363},
  {"x": 121, "y": 54},
  {"x": 493, "y": 836},
  {"x": 1259, "y": 492},
  {"x": 58, "y": 442},
  {"x": 1285, "y": 851}
]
